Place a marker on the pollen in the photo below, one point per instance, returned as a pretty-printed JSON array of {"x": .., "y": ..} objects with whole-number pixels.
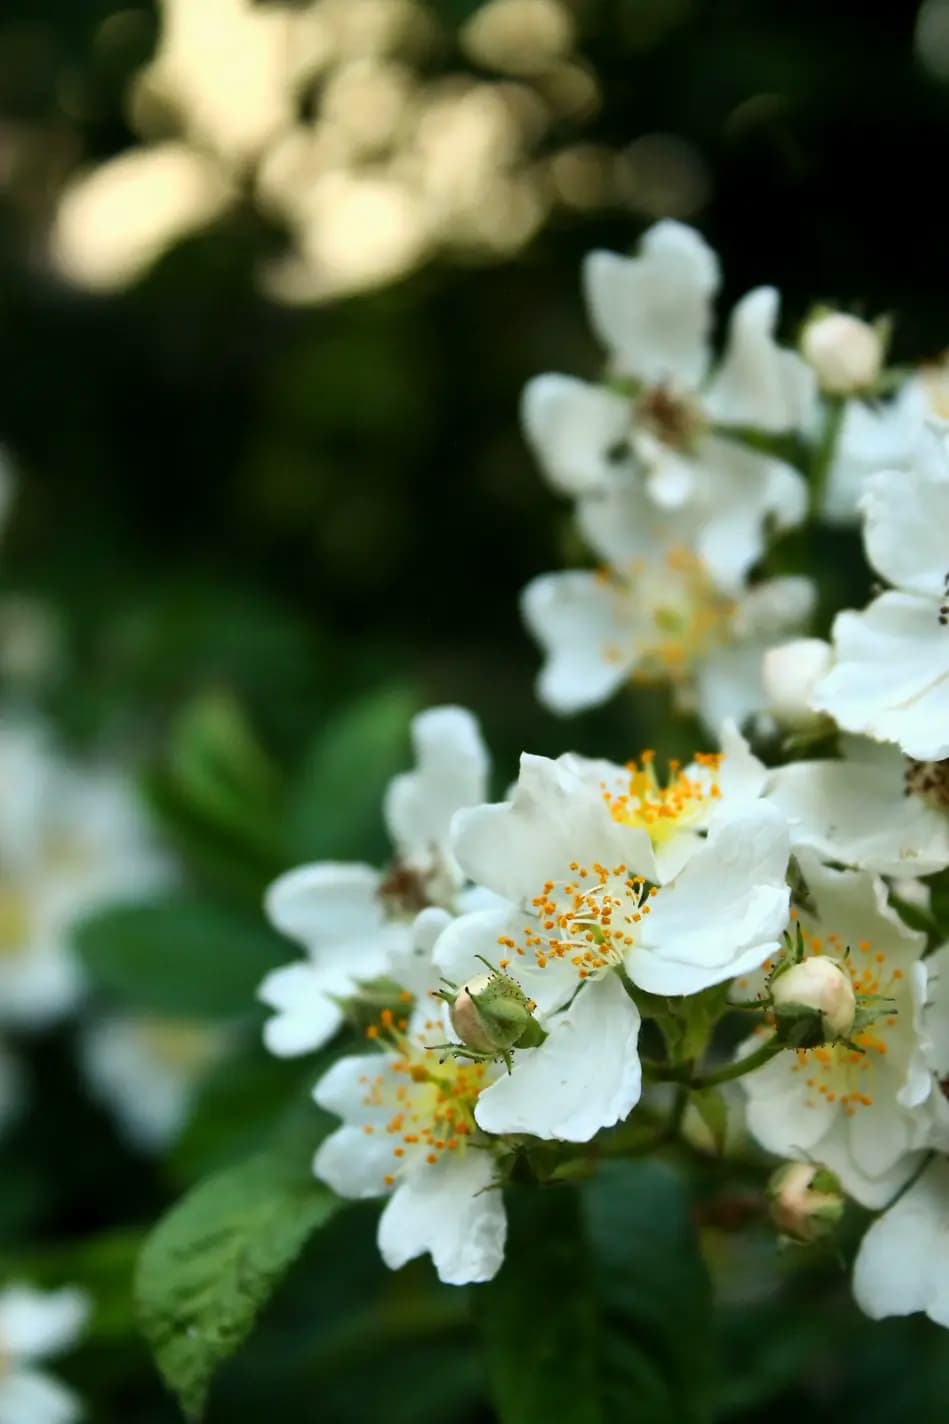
[{"x": 683, "y": 801}]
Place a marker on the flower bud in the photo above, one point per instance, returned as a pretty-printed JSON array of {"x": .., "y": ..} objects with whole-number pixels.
[
  {"x": 806, "y": 1201},
  {"x": 491, "y": 1014},
  {"x": 814, "y": 1003},
  {"x": 845, "y": 352},
  {"x": 791, "y": 672}
]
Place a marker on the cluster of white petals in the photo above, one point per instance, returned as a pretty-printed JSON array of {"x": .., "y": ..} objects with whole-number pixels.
[{"x": 35, "y": 1324}]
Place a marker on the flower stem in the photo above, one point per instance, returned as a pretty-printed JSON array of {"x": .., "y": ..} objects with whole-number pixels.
[
  {"x": 825, "y": 452},
  {"x": 672, "y": 1073}
]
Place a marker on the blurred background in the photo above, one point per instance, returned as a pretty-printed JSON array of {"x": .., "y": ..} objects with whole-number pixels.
[{"x": 272, "y": 277}]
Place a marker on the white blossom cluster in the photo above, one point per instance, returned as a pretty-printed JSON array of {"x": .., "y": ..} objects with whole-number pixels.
[{"x": 502, "y": 963}]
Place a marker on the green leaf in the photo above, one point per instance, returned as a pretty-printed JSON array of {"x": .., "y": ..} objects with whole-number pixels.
[
  {"x": 181, "y": 955},
  {"x": 336, "y": 810},
  {"x": 212, "y": 1263},
  {"x": 602, "y": 1308}
]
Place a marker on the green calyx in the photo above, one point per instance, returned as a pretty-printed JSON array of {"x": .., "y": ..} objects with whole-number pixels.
[{"x": 491, "y": 1015}]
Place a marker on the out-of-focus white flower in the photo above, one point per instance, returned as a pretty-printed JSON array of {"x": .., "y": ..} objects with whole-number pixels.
[
  {"x": 903, "y": 1262},
  {"x": 845, "y": 353},
  {"x": 891, "y": 676},
  {"x": 71, "y": 839},
  {"x": 874, "y": 809},
  {"x": 790, "y": 673},
  {"x": 577, "y": 911},
  {"x": 146, "y": 1070},
  {"x": 31, "y": 641},
  {"x": 409, "y": 1132},
  {"x": 867, "y": 1108},
  {"x": 892, "y": 434},
  {"x": 655, "y": 614},
  {"x": 33, "y": 1325},
  {"x": 653, "y": 314},
  {"x": 356, "y": 922}
]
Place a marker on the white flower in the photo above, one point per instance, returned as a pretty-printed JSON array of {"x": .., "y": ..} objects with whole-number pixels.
[
  {"x": 874, "y": 809},
  {"x": 146, "y": 1069},
  {"x": 845, "y": 353},
  {"x": 71, "y": 839},
  {"x": 33, "y": 1325},
  {"x": 790, "y": 673},
  {"x": 409, "y": 1132},
  {"x": 676, "y": 814},
  {"x": 864, "y": 1109},
  {"x": 654, "y": 614},
  {"x": 355, "y": 921},
  {"x": 653, "y": 314},
  {"x": 891, "y": 676},
  {"x": 578, "y": 910},
  {"x": 893, "y": 434},
  {"x": 903, "y": 1262}
]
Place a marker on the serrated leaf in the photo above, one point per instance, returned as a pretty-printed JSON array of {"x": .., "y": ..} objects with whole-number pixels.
[
  {"x": 180, "y": 955},
  {"x": 602, "y": 1308},
  {"x": 213, "y": 1262}
]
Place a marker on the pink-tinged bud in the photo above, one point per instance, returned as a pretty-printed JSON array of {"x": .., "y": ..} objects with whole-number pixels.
[
  {"x": 790, "y": 673},
  {"x": 845, "y": 352},
  {"x": 816, "y": 992},
  {"x": 466, "y": 1018},
  {"x": 806, "y": 1201}
]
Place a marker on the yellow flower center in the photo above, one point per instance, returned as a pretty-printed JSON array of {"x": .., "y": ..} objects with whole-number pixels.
[
  {"x": 432, "y": 1101},
  {"x": 590, "y": 921},
  {"x": 185, "y": 1046},
  {"x": 663, "y": 811},
  {"x": 674, "y": 613}
]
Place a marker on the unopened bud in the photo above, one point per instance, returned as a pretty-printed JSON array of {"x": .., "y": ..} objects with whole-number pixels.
[
  {"x": 814, "y": 1003},
  {"x": 491, "y": 1014},
  {"x": 791, "y": 672},
  {"x": 806, "y": 1201},
  {"x": 845, "y": 352}
]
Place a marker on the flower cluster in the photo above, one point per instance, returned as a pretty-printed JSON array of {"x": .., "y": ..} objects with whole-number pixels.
[{"x": 500, "y": 969}]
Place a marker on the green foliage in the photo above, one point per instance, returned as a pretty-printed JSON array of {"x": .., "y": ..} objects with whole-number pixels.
[
  {"x": 181, "y": 955},
  {"x": 602, "y": 1305},
  {"x": 334, "y": 811},
  {"x": 214, "y": 1261}
]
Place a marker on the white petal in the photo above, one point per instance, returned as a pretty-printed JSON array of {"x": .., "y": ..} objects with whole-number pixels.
[
  {"x": 937, "y": 1013},
  {"x": 555, "y": 817},
  {"x": 781, "y": 1116},
  {"x": 730, "y": 898},
  {"x": 343, "y": 1088},
  {"x": 585, "y": 1076},
  {"x": 871, "y": 438},
  {"x": 906, "y": 518},
  {"x": 729, "y": 685},
  {"x": 653, "y": 312},
  {"x": 573, "y": 428},
  {"x": 326, "y": 903},
  {"x": 452, "y": 771},
  {"x": 742, "y": 777},
  {"x": 859, "y": 815},
  {"x": 623, "y": 525},
  {"x": 746, "y": 495},
  {"x": 307, "y": 1017},
  {"x": 451, "y": 1211},
  {"x": 578, "y": 621},
  {"x": 855, "y": 904},
  {"x": 891, "y": 678},
  {"x": 775, "y": 607},
  {"x": 31, "y": 1397},
  {"x": 903, "y": 1262},
  {"x": 835, "y": 1152},
  {"x": 355, "y": 1163},
  {"x": 758, "y": 383},
  {"x": 36, "y": 1323}
]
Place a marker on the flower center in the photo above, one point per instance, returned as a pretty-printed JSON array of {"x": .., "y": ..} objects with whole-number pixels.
[
  {"x": 431, "y": 1102},
  {"x": 670, "y": 417},
  {"x": 589, "y": 921},
  {"x": 412, "y": 885},
  {"x": 184, "y": 1046},
  {"x": 674, "y": 613},
  {"x": 839, "y": 1072},
  {"x": 14, "y": 922},
  {"x": 928, "y": 779},
  {"x": 660, "y": 810}
]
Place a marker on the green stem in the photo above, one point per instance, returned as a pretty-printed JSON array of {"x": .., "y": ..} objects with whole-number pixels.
[
  {"x": 672, "y": 1073},
  {"x": 825, "y": 452}
]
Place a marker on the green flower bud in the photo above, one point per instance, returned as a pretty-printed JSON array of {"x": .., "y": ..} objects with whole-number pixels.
[
  {"x": 491, "y": 1013},
  {"x": 806, "y": 1202}
]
